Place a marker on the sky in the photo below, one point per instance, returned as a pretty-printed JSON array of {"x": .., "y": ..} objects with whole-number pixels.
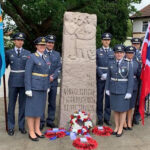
[{"x": 142, "y": 4}]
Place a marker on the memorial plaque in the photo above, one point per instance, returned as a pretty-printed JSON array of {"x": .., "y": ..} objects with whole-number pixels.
[{"x": 78, "y": 87}]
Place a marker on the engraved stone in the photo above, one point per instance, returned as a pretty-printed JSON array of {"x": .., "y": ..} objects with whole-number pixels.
[{"x": 78, "y": 88}]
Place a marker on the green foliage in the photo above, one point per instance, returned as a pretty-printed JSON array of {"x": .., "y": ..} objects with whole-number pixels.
[
  {"x": 41, "y": 17},
  {"x": 129, "y": 30}
]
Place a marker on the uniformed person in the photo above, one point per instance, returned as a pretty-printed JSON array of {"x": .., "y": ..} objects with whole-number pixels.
[
  {"x": 16, "y": 58},
  {"x": 119, "y": 86},
  {"x": 55, "y": 60},
  {"x": 136, "y": 42},
  {"x": 36, "y": 85},
  {"x": 130, "y": 52},
  {"x": 103, "y": 56}
]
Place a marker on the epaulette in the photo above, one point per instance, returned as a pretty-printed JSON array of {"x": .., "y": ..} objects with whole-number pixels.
[
  {"x": 138, "y": 60},
  {"x": 36, "y": 54},
  {"x": 126, "y": 59}
]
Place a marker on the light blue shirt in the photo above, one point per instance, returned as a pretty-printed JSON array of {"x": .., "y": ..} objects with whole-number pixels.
[{"x": 16, "y": 49}]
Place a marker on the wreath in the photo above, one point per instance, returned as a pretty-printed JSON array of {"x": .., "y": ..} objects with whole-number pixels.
[
  {"x": 102, "y": 131},
  {"x": 80, "y": 123},
  {"x": 87, "y": 143},
  {"x": 55, "y": 133}
]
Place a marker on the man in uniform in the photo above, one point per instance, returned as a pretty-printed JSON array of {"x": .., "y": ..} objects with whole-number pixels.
[
  {"x": 55, "y": 69},
  {"x": 103, "y": 56},
  {"x": 136, "y": 42},
  {"x": 16, "y": 58}
]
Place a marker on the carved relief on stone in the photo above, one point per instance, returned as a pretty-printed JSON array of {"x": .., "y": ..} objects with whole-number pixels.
[{"x": 79, "y": 27}]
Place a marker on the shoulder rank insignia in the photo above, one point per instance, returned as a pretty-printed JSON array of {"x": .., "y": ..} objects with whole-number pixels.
[
  {"x": 127, "y": 59},
  {"x": 36, "y": 54}
]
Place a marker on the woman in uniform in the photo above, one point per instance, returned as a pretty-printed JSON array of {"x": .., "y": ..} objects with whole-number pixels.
[
  {"x": 119, "y": 86},
  {"x": 36, "y": 85},
  {"x": 130, "y": 52}
]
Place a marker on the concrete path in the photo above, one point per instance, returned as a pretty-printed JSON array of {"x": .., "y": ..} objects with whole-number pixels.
[{"x": 138, "y": 139}]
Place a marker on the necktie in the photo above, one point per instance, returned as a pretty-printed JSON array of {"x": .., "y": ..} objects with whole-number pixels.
[
  {"x": 106, "y": 50},
  {"x": 49, "y": 53},
  {"x": 43, "y": 57},
  {"x": 18, "y": 50},
  {"x": 117, "y": 64}
]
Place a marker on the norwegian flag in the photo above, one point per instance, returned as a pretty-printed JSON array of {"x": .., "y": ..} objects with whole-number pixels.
[{"x": 145, "y": 74}]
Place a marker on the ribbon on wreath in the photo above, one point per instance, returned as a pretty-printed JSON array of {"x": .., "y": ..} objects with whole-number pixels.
[{"x": 55, "y": 133}]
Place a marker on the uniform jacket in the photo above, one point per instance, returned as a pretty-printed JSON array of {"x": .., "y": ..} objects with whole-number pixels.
[
  {"x": 37, "y": 73},
  {"x": 55, "y": 69},
  {"x": 17, "y": 66},
  {"x": 136, "y": 72},
  {"x": 102, "y": 60},
  {"x": 123, "y": 71}
]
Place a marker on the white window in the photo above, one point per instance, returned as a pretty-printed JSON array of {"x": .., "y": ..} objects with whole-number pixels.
[{"x": 145, "y": 25}]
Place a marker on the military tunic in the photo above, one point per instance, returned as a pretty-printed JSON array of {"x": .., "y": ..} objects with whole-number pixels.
[
  {"x": 36, "y": 80},
  {"x": 136, "y": 72},
  {"x": 119, "y": 82}
]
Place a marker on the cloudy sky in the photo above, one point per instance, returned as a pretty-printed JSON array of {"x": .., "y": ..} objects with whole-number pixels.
[{"x": 142, "y": 4}]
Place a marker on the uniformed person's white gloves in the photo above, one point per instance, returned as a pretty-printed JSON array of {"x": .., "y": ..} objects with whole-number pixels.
[
  {"x": 128, "y": 96},
  {"x": 48, "y": 90},
  {"x": 104, "y": 76},
  {"x": 107, "y": 92},
  {"x": 29, "y": 93}
]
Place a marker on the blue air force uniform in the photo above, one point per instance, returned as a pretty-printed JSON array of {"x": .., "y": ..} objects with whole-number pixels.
[
  {"x": 137, "y": 58},
  {"x": 55, "y": 59},
  {"x": 16, "y": 58},
  {"x": 103, "y": 56},
  {"x": 37, "y": 81},
  {"x": 136, "y": 72},
  {"x": 119, "y": 82}
]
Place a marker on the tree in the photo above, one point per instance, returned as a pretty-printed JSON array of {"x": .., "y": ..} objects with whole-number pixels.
[{"x": 41, "y": 17}]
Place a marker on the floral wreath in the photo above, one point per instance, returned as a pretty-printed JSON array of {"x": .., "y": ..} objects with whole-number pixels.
[
  {"x": 80, "y": 123},
  {"x": 87, "y": 143},
  {"x": 55, "y": 133},
  {"x": 102, "y": 131}
]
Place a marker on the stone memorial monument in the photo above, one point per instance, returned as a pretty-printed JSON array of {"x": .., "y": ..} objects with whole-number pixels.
[{"x": 78, "y": 87}]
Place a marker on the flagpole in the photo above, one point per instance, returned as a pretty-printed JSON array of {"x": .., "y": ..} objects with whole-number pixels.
[{"x": 5, "y": 103}]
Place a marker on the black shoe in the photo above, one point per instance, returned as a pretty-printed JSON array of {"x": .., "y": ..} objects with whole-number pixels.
[
  {"x": 41, "y": 126},
  {"x": 114, "y": 133},
  {"x": 107, "y": 122},
  {"x": 11, "y": 132},
  {"x": 33, "y": 139},
  {"x": 119, "y": 135},
  {"x": 40, "y": 136},
  {"x": 100, "y": 123},
  {"x": 52, "y": 125},
  {"x": 23, "y": 131},
  {"x": 129, "y": 128},
  {"x": 136, "y": 122},
  {"x": 125, "y": 128}
]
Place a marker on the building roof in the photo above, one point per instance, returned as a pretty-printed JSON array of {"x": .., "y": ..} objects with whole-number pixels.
[{"x": 143, "y": 13}]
